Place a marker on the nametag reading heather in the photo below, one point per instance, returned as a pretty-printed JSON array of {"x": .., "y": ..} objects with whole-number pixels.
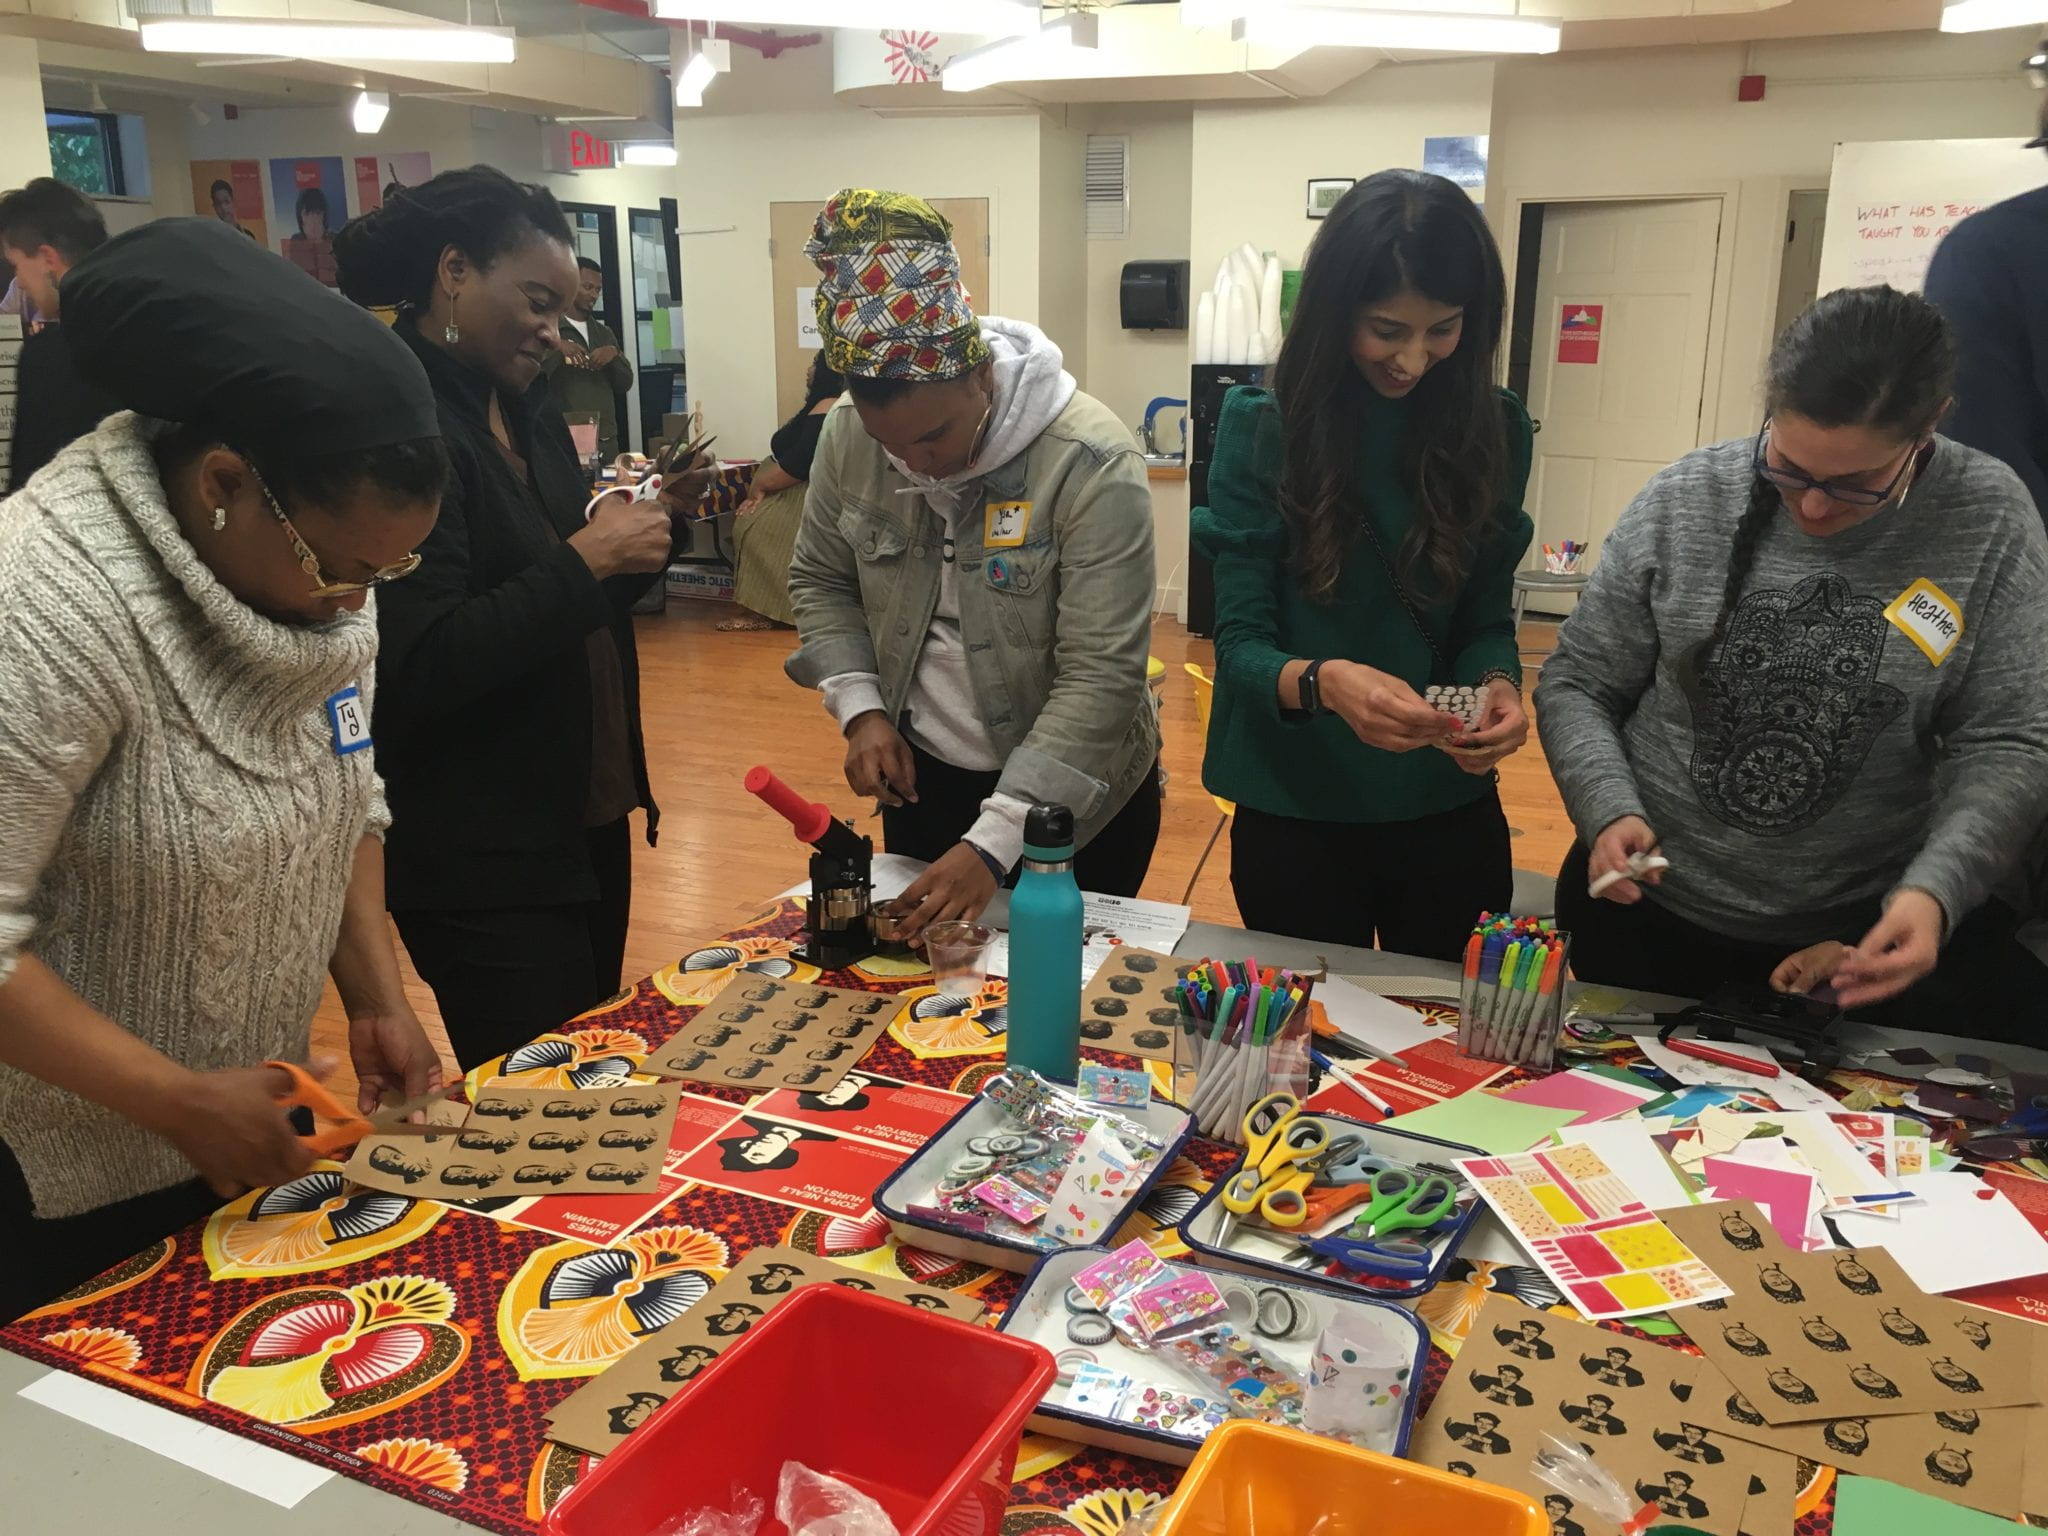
[{"x": 1929, "y": 618}]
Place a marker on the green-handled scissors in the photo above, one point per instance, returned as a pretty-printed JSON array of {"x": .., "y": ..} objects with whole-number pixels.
[{"x": 1401, "y": 1202}]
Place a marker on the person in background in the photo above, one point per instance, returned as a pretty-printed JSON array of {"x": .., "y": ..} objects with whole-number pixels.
[
  {"x": 973, "y": 579},
  {"x": 764, "y": 530},
  {"x": 222, "y": 196},
  {"x": 45, "y": 229},
  {"x": 1365, "y": 520},
  {"x": 1807, "y": 669},
  {"x": 1984, "y": 278},
  {"x": 190, "y": 816},
  {"x": 510, "y": 705},
  {"x": 589, "y": 371},
  {"x": 311, "y": 250}
]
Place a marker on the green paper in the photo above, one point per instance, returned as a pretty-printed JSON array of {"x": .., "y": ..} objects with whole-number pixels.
[
  {"x": 1494, "y": 1125},
  {"x": 1866, "y": 1507}
]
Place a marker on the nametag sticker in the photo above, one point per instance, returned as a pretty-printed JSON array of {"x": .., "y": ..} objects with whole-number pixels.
[
  {"x": 350, "y": 720},
  {"x": 1929, "y": 618},
  {"x": 1005, "y": 524}
]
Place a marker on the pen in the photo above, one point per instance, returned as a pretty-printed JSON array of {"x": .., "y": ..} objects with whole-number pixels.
[
  {"x": 1468, "y": 991},
  {"x": 1706, "y": 1052},
  {"x": 1352, "y": 1081},
  {"x": 1498, "y": 1015}
]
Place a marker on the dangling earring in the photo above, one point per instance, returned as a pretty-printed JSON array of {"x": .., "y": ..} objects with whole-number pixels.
[
  {"x": 451, "y": 333},
  {"x": 220, "y": 518}
]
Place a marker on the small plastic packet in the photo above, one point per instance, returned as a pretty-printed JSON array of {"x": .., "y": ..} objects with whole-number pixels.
[
  {"x": 743, "y": 1519},
  {"x": 1582, "y": 1484},
  {"x": 811, "y": 1504},
  {"x": 1223, "y": 1361},
  {"x": 1360, "y": 1384}
]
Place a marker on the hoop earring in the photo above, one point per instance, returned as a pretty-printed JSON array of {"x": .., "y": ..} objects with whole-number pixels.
[
  {"x": 451, "y": 333},
  {"x": 220, "y": 518}
]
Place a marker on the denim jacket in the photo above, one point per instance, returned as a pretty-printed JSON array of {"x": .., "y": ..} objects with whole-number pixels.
[{"x": 1058, "y": 628}]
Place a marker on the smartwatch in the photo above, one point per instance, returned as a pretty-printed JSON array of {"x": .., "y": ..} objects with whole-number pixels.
[{"x": 1311, "y": 690}]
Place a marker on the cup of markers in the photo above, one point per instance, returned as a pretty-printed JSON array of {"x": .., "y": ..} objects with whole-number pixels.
[
  {"x": 1511, "y": 1000},
  {"x": 1563, "y": 559},
  {"x": 1244, "y": 1034}
]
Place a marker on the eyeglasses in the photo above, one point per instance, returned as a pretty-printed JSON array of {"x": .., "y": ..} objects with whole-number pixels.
[
  {"x": 325, "y": 586},
  {"x": 1849, "y": 495}
]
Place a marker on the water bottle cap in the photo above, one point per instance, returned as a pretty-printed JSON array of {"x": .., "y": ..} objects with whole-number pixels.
[{"x": 1050, "y": 827}]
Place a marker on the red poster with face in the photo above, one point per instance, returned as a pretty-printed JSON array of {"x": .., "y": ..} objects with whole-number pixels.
[
  {"x": 2020, "y": 1298},
  {"x": 793, "y": 1164},
  {"x": 871, "y": 1108},
  {"x": 1578, "y": 333}
]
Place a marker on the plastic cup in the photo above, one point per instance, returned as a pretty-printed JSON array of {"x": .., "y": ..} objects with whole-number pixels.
[{"x": 958, "y": 952}]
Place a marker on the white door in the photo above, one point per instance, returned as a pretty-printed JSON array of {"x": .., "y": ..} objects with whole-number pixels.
[{"x": 1620, "y": 357}]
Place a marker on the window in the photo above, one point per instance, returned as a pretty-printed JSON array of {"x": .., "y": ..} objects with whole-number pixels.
[{"x": 85, "y": 152}]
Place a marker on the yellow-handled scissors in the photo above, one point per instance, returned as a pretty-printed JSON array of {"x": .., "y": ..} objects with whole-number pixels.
[{"x": 1283, "y": 1148}]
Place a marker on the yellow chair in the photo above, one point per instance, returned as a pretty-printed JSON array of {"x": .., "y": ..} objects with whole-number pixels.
[{"x": 1204, "y": 689}]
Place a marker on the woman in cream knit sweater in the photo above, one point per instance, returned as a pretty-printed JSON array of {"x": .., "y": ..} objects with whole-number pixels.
[{"x": 189, "y": 835}]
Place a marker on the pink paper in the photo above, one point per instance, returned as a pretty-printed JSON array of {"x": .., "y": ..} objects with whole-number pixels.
[
  {"x": 1784, "y": 1194},
  {"x": 1598, "y": 1097}
]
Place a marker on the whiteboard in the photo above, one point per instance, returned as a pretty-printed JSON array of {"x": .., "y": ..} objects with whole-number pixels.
[{"x": 1889, "y": 204}]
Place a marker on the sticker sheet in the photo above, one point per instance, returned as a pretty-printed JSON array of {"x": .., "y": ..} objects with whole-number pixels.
[
  {"x": 1844, "y": 1334},
  {"x": 762, "y": 1033},
  {"x": 794, "y": 1165},
  {"x": 1131, "y": 1004},
  {"x": 1609, "y": 1253},
  {"x": 531, "y": 1141},
  {"x": 598, "y": 1415},
  {"x": 1524, "y": 1374}
]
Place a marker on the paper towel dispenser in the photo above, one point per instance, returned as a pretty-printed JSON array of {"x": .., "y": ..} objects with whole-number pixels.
[{"x": 1154, "y": 296}]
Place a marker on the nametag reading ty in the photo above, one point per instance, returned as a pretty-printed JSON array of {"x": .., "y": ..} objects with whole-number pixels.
[
  {"x": 1005, "y": 524},
  {"x": 1929, "y": 618},
  {"x": 350, "y": 720}
]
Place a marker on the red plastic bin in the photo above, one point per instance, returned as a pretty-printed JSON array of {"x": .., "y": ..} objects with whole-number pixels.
[{"x": 919, "y": 1412}]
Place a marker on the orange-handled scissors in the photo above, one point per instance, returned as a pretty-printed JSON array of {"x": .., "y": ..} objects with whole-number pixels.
[{"x": 343, "y": 1127}]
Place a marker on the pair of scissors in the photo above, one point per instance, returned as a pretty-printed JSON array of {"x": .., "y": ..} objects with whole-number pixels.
[
  {"x": 649, "y": 487},
  {"x": 1402, "y": 1202},
  {"x": 336, "y": 1127},
  {"x": 1334, "y": 1184},
  {"x": 1279, "y": 1140}
]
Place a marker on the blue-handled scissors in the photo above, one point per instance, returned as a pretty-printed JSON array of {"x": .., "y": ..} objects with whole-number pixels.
[{"x": 1375, "y": 1242}]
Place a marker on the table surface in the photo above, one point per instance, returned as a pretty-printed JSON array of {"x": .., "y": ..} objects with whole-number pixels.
[{"x": 63, "y": 1476}]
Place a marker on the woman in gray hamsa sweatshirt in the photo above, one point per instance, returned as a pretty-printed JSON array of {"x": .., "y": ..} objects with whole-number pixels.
[{"x": 1807, "y": 672}]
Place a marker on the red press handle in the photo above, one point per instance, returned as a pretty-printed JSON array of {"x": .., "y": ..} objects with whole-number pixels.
[{"x": 810, "y": 819}]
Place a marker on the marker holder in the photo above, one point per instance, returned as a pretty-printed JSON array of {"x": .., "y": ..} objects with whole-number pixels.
[
  {"x": 1238, "y": 1075},
  {"x": 1530, "y": 1039}
]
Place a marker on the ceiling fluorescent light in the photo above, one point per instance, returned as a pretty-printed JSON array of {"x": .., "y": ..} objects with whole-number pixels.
[
  {"x": 1984, "y": 15},
  {"x": 710, "y": 60},
  {"x": 1020, "y": 58},
  {"x": 647, "y": 154},
  {"x": 1322, "y": 26},
  {"x": 985, "y": 18},
  {"x": 329, "y": 40},
  {"x": 371, "y": 108}
]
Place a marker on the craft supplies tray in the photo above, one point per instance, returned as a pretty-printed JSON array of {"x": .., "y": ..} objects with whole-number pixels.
[
  {"x": 1041, "y": 1313},
  {"x": 920, "y": 1412},
  {"x": 1256, "y": 1250},
  {"x": 916, "y": 1183}
]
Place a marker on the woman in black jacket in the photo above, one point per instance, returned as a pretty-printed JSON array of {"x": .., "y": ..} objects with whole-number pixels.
[{"x": 508, "y": 707}]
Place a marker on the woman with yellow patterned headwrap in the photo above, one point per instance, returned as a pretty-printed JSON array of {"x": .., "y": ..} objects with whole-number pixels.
[{"x": 973, "y": 581}]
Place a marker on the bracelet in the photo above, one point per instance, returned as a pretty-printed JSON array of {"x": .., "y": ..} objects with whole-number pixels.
[
  {"x": 1001, "y": 874},
  {"x": 1513, "y": 680}
]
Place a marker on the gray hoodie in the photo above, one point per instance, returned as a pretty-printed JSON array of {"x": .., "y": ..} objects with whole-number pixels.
[{"x": 1828, "y": 759}]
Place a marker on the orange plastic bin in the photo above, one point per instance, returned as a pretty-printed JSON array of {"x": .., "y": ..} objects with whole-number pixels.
[
  {"x": 1258, "y": 1480},
  {"x": 919, "y": 1412}
]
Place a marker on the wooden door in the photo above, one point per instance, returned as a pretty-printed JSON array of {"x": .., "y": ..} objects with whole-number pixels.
[{"x": 796, "y": 340}]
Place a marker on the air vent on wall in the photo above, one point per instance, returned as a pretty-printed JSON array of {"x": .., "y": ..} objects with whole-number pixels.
[{"x": 1109, "y": 186}]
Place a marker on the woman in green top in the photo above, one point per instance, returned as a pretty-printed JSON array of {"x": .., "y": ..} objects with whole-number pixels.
[{"x": 1365, "y": 522}]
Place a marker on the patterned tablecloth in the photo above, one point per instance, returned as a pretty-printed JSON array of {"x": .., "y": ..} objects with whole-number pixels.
[{"x": 418, "y": 1348}]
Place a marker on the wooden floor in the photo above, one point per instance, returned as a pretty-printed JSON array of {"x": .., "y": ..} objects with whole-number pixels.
[{"x": 715, "y": 704}]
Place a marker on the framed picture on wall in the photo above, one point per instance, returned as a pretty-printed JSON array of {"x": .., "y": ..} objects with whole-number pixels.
[{"x": 1324, "y": 193}]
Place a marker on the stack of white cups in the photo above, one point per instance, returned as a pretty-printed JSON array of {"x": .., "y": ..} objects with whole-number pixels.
[{"x": 1238, "y": 320}]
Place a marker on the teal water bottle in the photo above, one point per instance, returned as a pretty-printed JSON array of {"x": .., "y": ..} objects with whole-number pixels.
[{"x": 1045, "y": 950}]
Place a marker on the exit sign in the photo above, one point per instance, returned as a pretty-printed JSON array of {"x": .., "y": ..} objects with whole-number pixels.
[{"x": 587, "y": 152}]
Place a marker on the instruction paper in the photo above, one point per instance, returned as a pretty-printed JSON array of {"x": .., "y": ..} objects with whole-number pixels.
[
  {"x": 1107, "y": 924},
  {"x": 602, "y": 1412},
  {"x": 760, "y": 1033},
  {"x": 1609, "y": 1253}
]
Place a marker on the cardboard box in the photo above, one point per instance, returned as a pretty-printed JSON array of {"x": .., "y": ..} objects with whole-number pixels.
[{"x": 701, "y": 581}]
